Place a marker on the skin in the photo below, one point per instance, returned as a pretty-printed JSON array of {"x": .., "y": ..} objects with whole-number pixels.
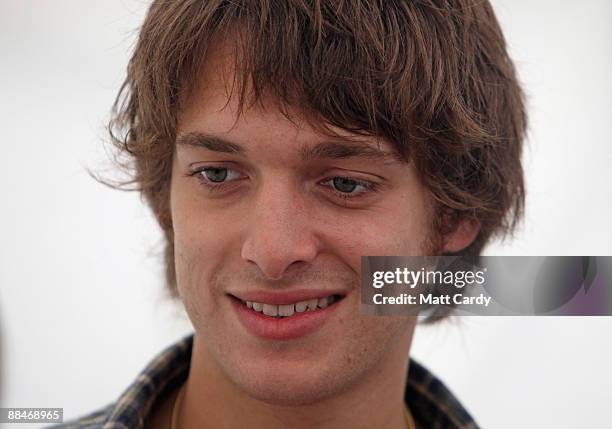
[{"x": 280, "y": 224}]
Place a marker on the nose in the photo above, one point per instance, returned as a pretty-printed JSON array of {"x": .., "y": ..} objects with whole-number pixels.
[{"x": 280, "y": 231}]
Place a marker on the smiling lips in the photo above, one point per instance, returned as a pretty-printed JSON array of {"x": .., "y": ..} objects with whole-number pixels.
[
  {"x": 288, "y": 310},
  {"x": 285, "y": 316}
]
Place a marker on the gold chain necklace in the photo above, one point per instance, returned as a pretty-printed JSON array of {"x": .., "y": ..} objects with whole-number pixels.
[{"x": 179, "y": 398}]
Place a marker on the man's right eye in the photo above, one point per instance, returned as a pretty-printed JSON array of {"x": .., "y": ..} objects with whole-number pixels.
[{"x": 216, "y": 176}]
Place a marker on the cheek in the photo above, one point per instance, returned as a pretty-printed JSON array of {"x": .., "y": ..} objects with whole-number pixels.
[
  {"x": 392, "y": 231},
  {"x": 202, "y": 240}
]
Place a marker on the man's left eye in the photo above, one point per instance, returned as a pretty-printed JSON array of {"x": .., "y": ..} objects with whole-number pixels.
[{"x": 346, "y": 187}]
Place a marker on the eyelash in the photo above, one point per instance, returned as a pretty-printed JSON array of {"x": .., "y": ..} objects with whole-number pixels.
[{"x": 369, "y": 187}]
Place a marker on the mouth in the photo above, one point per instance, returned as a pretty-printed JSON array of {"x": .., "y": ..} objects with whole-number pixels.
[
  {"x": 283, "y": 311},
  {"x": 280, "y": 318}
]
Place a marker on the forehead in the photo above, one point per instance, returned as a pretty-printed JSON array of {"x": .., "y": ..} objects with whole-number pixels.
[
  {"x": 211, "y": 115},
  {"x": 213, "y": 98}
]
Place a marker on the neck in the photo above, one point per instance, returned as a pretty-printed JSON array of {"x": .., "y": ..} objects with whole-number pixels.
[{"x": 211, "y": 399}]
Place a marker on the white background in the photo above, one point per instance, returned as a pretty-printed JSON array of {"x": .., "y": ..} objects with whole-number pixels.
[{"x": 81, "y": 302}]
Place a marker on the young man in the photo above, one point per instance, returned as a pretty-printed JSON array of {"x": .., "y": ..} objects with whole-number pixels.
[{"x": 277, "y": 143}]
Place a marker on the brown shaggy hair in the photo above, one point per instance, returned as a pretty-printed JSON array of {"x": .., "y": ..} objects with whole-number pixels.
[{"x": 433, "y": 77}]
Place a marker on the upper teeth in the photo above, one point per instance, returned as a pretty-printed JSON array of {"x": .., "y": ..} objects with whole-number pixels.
[{"x": 286, "y": 310}]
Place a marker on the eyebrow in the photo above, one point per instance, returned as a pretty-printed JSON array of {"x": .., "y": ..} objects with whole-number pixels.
[
  {"x": 324, "y": 150},
  {"x": 210, "y": 142}
]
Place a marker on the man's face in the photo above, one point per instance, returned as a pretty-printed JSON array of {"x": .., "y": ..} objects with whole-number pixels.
[{"x": 287, "y": 210}]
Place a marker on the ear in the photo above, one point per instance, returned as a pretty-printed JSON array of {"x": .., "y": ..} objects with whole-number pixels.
[{"x": 462, "y": 236}]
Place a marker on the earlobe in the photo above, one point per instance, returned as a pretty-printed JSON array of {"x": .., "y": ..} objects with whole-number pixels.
[{"x": 463, "y": 235}]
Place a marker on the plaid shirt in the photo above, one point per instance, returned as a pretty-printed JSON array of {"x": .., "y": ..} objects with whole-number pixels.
[{"x": 432, "y": 405}]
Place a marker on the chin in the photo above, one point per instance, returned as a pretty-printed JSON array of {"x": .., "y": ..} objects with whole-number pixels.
[
  {"x": 292, "y": 392},
  {"x": 287, "y": 383}
]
